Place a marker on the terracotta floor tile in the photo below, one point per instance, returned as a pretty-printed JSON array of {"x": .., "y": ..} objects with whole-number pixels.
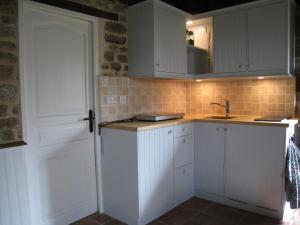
[
  {"x": 100, "y": 218},
  {"x": 197, "y": 204},
  {"x": 225, "y": 212},
  {"x": 255, "y": 219},
  {"x": 196, "y": 211},
  {"x": 115, "y": 222},
  {"x": 85, "y": 222}
]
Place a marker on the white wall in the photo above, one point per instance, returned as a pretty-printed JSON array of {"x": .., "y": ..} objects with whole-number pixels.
[{"x": 14, "y": 207}]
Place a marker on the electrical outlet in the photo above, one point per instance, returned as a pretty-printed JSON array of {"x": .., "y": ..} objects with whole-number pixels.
[
  {"x": 111, "y": 99},
  {"x": 123, "y": 100}
]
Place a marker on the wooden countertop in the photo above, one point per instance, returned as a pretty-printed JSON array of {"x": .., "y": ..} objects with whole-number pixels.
[{"x": 244, "y": 120}]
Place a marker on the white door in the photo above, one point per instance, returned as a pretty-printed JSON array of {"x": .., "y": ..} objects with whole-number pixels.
[
  {"x": 230, "y": 53},
  {"x": 267, "y": 29},
  {"x": 209, "y": 142},
  {"x": 58, "y": 82},
  {"x": 254, "y": 165}
]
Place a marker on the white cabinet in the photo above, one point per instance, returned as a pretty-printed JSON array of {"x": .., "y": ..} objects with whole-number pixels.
[
  {"x": 155, "y": 172},
  {"x": 256, "y": 40},
  {"x": 209, "y": 161},
  {"x": 254, "y": 159},
  {"x": 267, "y": 38},
  {"x": 241, "y": 165},
  {"x": 230, "y": 32},
  {"x": 183, "y": 151},
  {"x": 184, "y": 183},
  {"x": 156, "y": 40},
  {"x": 141, "y": 180},
  {"x": 184, "y": 148}
]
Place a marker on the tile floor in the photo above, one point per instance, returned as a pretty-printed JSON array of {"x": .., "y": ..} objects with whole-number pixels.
[{"x": 201, "y": 212}]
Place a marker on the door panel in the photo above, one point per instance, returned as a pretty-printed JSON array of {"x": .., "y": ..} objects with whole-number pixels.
[
  {"x": 58, "y": 70},
  {"x": 267, "y": 38},
  {"x": 209, "y": 166},
  {"x": 230, "y": 53},
  {"x": 170, "y": 43},
  {"x": 155, "y": 171},
  {"x": 254, "y": 165}
]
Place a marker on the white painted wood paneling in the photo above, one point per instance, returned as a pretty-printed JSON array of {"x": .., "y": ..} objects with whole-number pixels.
[
  {"x": 170, "y": 40},
  {"x": 14, "y": 204},
  {"x": 184, "y": 183},
  {"x": 183, "y": 150},
  {"x": 267, "y": 37},
  {"x": 254, "y": 161},
  {"x": 120, "y": 175},
  {"x": 155, "y": 156},
  {"x": 209, "y": 161},
  {"x": 229, "y": 37}
]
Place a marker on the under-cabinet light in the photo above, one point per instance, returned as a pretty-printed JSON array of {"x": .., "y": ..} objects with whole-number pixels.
[{"x": 189, "y": 22}]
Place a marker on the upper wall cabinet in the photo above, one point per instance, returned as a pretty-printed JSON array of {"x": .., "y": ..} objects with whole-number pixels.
[
  {"x": 156, "y": 40},
  {"x": 254, "y": 39}
]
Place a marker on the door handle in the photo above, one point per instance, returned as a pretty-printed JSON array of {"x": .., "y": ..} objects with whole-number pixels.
[{"x": 91, "y": 120}]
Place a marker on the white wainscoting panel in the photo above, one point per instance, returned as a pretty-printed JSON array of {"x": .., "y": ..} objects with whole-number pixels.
[{"x": 14, "y": 205}]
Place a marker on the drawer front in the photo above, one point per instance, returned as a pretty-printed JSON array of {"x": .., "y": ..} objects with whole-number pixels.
[
  {"x": 183, "y": 129},
  {"x": 183, "y": 150},
  {"x": 184, "y": 183}
]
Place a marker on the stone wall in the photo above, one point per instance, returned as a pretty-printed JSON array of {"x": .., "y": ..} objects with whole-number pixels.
[{"x": 10, "y": 118}]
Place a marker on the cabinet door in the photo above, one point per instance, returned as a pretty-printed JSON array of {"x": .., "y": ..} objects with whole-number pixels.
[
  {"x": 254, "y": 159},
  {"x": 183, "y": 150},
  {"x": 209, "y": 163},
  {"x": 155, "y": 156},
  {"x": 230, "y": 42},
  {"x": 267, "y": 38},
  {"x": 170, "y": 41},
  {"x": 184, "y": 183}
]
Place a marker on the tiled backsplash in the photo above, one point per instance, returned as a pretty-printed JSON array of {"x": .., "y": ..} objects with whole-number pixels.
[
  {"x": 247, "y": 97},
  {"x": 142, "y": 96}
]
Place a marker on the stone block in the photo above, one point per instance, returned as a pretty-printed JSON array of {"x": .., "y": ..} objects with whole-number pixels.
[
  {"x": 7, "y": 46},
  {"x": 115, "y": 27},
  {"x": 7, "y": 57},
  {"x": 8, "y": 92},
  {"x": 7, "y": 135},
  {"x": 115, "y": 66},
  {"x": 3, "y": 110},
  {"x": 122, "y": 58},
  {"x": 115, "y": 39},
  {"x": 109, "y": 56},
  {"x": 6, "y": 72}
]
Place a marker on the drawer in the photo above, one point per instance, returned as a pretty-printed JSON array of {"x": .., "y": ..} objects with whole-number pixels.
[
  {"x": 183, "y": 129},
  {"x": 184, "y": 183},
  {"x": 183, "y": 150}
]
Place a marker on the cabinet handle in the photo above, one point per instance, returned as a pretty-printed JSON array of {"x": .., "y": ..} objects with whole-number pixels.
[
  {"x": 183, "y": 171},
  {"x": 218, "y": 129},
  {"x": 169, "y": 132},
  {"x": 225, "y": 129},
  {"x": 157, "y": 64},
  {"x": 183, "y": 129},
  {"x": 183, "y": 141}
]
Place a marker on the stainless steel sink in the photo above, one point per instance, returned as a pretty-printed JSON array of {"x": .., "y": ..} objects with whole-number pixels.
[{"x": 220, "y": 117}]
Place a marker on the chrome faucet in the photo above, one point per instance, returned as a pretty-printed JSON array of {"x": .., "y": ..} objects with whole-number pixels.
[{"x": 226, "y": 106}]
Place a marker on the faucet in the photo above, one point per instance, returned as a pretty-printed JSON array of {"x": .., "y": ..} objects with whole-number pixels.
[{"x": 226, "y": 106}]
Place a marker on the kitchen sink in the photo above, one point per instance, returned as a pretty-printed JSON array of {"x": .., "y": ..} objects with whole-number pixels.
[{"x": 220, "y": 117}]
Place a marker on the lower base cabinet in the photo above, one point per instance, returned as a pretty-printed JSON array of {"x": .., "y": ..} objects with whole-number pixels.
[
  {"x": 147, "y": 173},
  {"x": 141, "y": 180},
  {"x": 242, "y": 166}
]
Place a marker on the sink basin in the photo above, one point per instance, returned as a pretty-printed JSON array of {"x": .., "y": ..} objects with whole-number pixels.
[{"x": 220, "y": 117}]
